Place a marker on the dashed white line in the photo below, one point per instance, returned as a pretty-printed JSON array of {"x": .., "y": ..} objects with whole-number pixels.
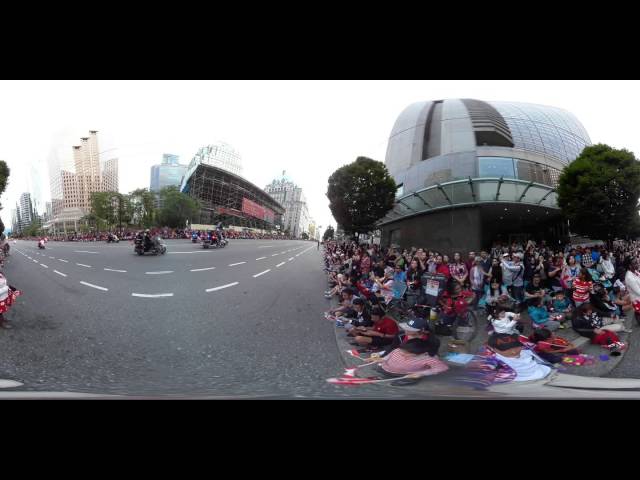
[
  {"x": 202, "y": 269},
  {"x": 234, "y": 264},
  {"x": 43, "y": 265},
  {"x": 291, "y": 259},
  {"x": 83, "y": 265},
  {"x": 113, "y": 270},
  {"x": 65, "y": 261},
  {"x": 280, "y": 264},
  {"x": 159, "y": 273},
  {"x": 157, "y": 295},
  {"x": 221, "y": 287},
  {"x": 282, "y": 253},
  {"x": 94, "y": 286},
  {"x": 261, "y": 258},
  {"x": 35, "y": 261},
  {"x": 275, "y": 254},
  {"x": 52, "y": 258},
  {"x": 60, "y": 273},
  {"x": 83, "y": 251},
  {"x": 261, "y": 273}
]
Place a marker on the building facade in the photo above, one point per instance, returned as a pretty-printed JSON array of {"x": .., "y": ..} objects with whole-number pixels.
[
  {"x": 296, "y": 217},
  {"x": 471, "y": 172},
  {"x": 26, "y": 215},
  {"x": 225, "y": 196},
  {"x": 168, "y": 173}
]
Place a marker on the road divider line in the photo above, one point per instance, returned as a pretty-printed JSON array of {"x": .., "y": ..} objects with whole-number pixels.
[
  {"x": 60, "y": 273},
  {"x": 202, "y": 269},
  {"x": 221, "y": 287},
  {"x": 261, "y": 273},
  {"x": 282, "y": 253},
  {"x": 43, "y": 265},
  {"x": 261, "y": 258},
  {"x": 35, "y": 261},
  {"x": 65, "y": 261},
  {"x": 156, "y": 295},
  {"x": 52, "y": 258},
  {"x": 234, "y": 264},
  {"x": 275, "y": 254},
  {"x": 291, "y": 259},
  {"x": 83, "y": 251},
  {"x": 280, "y": 264},
  {"x": 113, "y": 270},
  {"x": 159, "y": 273},
  {"x": 83, "y": 265},
  {"x": 94, "y": 286}
]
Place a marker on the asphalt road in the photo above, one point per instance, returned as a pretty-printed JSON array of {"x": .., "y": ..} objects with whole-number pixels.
[{"x": 245, "y": 320}]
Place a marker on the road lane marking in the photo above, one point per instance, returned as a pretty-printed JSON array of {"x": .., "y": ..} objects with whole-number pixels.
[
  {"x": 157, "y": 295},
  {"x": 275, "y": 254},
  {"x": 234, "y": 264},
  {"x": 291, "y": 259},
  {"x": 221, "y": 287},
  {"x": 42, "y": 264},
  {"x": 65, "y": 261},
  {"x": 35, "y": 261},
  {"x": 83, "y": 265},
  {"x": 112, "y": 270},
  {"x": 267, "y": 246},
  {"x": 202, "y": 269},
  {"x": 60, "y": 273},
  {"x": 280, "y": 264},
  {"x": 282, "y": 253},
  {"x": 261, "y": 273},
  {"x": 83, "y": 251},
  {"x": 52, "y": 258},
  {"x": 159, "y": 273},
  {"x": 261, "y": 258},
  {"x": 94, "y": 286}
]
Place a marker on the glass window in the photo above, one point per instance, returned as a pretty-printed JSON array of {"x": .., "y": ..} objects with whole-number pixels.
[{"x": 496, "y": 167}]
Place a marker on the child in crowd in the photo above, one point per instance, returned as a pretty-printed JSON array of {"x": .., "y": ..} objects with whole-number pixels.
[
  {"x": 503, "y": 321},
  {"x": 550, "y": 347},
  {"x": 561, "y": 304},
  {"x": 540, "y": 316}
]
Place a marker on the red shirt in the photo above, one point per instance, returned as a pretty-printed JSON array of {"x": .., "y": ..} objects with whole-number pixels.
[
  {"x": 443, "y": 269},
  {"x": 582, "y": 289},
  {"x": 386, "y": 326},
  {"x": 457, "y": 305}
]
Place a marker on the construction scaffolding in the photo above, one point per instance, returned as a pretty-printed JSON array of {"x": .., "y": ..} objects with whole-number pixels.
[{"x": 225, "y": 197}]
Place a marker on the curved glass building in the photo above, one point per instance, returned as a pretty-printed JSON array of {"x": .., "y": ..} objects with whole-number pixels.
[{"x": 470, "y": 172}]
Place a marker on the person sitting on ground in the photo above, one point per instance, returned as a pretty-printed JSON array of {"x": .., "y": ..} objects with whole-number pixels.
[
  {"x": 540, "y": 317},
  {"x": 497, "y": 296},
  {"x": 535, "y": 290},
  {"x": 582, "y": 287},
  {"x": 550, "y": 347},
  {"x": 345, "y": 305},
  {"x": 505, "y": 359},
  {"x": 621, "y": 299},
  {"x": 591, "y": 325},
  {"x": 359, "y": 317},
  {"x": 455, "y": 303},
  {"x": 503, "y": 321},
  {"x": 342, "y": 282},
  {"x": 605, "y": 266},
  {"x": 382, "y": 333},
  {"x": 587, "y": 258},
  {"x": 601, "y": 302},
  {"x": 417, "y": 354},
  {"x": 561, "y": 304},
  {"x": 385, "y": 285}
]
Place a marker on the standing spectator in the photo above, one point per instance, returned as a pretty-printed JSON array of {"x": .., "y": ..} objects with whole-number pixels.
[
  {"x": 365, "y": 264},
  {"x": 414, "y": 274},
  {"x": 458, "y": 269},
  {"x": 554, "y": 273},
  {"x": 632, "y": 283},
  {"x": 477, "y": 281},
  {"x": 516, "y": 271},
  {"x": 470, "y": 262},
  {"x": 442, "y": 268}
]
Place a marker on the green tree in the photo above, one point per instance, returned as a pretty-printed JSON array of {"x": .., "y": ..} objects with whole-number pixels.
[
  {"x": 4, "y": 180},
  {"x": 328, "y": 233},
  {"x": 177, "y": 208},
  {"x": 102, "y": 208},
  {"x": 360, "y": 194},
  {"x": 143, "y": 204},
  {"x": 304, "y": 236},
  {"x": 598, "y": 193}
]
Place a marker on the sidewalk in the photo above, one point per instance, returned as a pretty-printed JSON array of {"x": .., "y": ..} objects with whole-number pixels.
[{"x": 600, "y": 368}]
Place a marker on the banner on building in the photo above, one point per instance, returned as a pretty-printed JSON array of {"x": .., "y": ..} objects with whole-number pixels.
[{"x": 254, "y": 210}]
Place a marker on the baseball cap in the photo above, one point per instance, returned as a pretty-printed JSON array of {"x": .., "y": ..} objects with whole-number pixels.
[
  {"x": 414, "y": 325},
  {"x": 504, "y": 341}
]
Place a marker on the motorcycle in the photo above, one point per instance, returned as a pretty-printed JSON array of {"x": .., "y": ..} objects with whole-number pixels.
[
  {"x": 113, "y": 239},
  {"x": 194, "y": 238},
  {"x": 156, "y": 248},
  {"x": 41, "y": 245},
  {"x": 206, "y": 242}
]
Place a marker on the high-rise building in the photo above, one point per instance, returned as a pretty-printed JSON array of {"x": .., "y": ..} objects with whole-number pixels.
[
  {"x": 220, "y": 155},
  {"x": 73, "y": 180},
  {"x": 26, "y": 216},
  {"x": 296, "y": 217},
  {"x": 168, "y": 173}
]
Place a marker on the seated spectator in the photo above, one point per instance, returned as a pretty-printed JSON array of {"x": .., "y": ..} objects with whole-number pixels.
[
  {"x": 622, "y": 299},
  {"x": 345, "y": 305},
  {"x": 359, "y": 317},
  {"x": 561, "y": 304},
  {"x": 540, "y": 317},
  {"x": 399, "y": 275},
  {"x": 506, "y": 359},
  {"x": 8, "y": 296},
  {"x": 497, "y": 296},
  {"x": 582, "y": 287},
  {"x": 378, "y": 269},
  {"x": 589, "y": 324},
  {"x": 601, "y": 302},
  {"x": 382, "y": 333},
  {"x": 455, "y": 303},
  {"x": 503, "y": 321},
  {"x": 550, "y": 347},
  {"x": 535, "y": 290},
  {"x": 384, "y": 286}
]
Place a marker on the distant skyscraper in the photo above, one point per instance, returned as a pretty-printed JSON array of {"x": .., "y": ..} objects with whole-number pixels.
[
  {"x": 168, "y": 173},
  {"x": 220, "y": 155},
  {"x": 296, "y": 215},
  {"x": 25, "y": 217}
]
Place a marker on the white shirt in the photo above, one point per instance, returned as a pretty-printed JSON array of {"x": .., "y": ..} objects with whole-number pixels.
[
  {"x": 526, "y": 366},
  {"x": 632, "y": 282}
]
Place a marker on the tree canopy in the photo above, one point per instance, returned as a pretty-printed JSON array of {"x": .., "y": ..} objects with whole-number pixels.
[
  {"x": 599, "y": 191},
  {"x": 360, "y": 194},
  {"x": 328, "y": 233},
  {"x": 177, "y": 207}
]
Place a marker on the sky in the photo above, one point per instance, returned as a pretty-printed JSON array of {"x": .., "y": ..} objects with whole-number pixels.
[{"x": 306, "y": 128}]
